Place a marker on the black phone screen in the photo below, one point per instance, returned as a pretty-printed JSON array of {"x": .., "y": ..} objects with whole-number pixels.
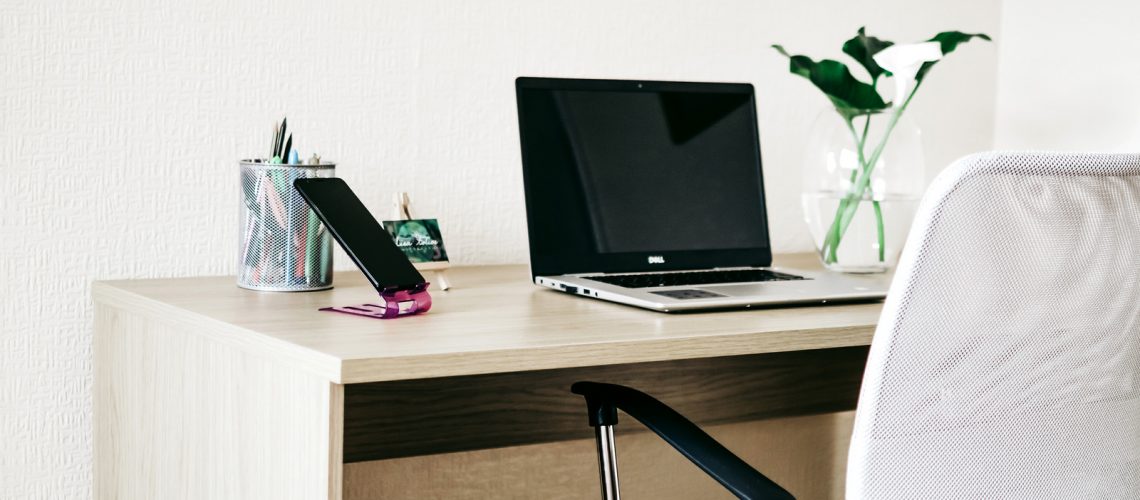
[{"x": 359, "y": 234}]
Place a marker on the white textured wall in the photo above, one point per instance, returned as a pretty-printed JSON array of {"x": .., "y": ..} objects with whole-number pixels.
[
  {"x": 121, "y": 122},
  {"x": 1069, "y": 78}
]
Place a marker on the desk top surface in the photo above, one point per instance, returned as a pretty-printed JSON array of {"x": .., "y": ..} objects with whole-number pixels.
[{"x": 492, "y": 320}]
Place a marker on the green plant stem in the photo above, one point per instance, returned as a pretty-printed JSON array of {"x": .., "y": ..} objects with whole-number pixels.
[
  {"x": 866, "y": 129},
  {"x": 831, "y": 246},
  {"x": 850, "y": 203},
  {"x": 874, "y": 202},
  {"x": 879, "y": 229}
]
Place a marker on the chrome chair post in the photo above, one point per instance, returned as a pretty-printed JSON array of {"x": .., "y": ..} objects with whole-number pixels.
[{"x": 607, "y": 462}]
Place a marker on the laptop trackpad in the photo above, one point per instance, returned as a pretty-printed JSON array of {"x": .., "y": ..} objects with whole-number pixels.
[
  {"x": 688, "y": 294},
  {"x": 754, "y": 289}
]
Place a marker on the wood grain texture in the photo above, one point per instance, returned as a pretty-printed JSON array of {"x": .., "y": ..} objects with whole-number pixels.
[
  {"x": 807, "y": 455},
  {"x": 419, "y": 417},
  {"x": 492, "y": 321},
  {"x": 178, "y": 415},
  {"x": 335, "y": 449}
]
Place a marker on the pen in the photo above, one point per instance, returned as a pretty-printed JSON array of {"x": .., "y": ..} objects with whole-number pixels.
[
  {"x": 276, "y": 207},
  {"x": 277, "y": 142},
  {"x": 273, "y": 145},
  {"x": 289, "y": 261},
  {"x": 311, "y": 245},
  {"x": 288, "y": 146}
]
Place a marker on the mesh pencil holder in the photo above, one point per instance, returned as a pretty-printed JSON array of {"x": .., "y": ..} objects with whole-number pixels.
[{"x": 283, "y": 247}]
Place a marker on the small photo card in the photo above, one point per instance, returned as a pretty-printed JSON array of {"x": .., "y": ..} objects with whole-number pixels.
[{"x": 420, "y": 239}]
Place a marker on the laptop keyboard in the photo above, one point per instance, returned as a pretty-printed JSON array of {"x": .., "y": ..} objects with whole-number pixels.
[{"x": 693, "y": 278}]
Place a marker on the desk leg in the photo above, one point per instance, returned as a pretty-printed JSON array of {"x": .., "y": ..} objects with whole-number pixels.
[{"x": 180, "y": 413}]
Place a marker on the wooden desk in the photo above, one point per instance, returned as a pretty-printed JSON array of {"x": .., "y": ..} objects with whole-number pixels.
[{"x": 205, "y": 390}]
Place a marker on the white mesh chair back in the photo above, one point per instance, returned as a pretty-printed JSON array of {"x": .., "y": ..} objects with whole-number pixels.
[{"x": 1006, "y": 364}]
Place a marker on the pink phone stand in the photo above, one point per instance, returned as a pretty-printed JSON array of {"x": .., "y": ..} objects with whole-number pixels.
[{"x": 393, "y": 304}]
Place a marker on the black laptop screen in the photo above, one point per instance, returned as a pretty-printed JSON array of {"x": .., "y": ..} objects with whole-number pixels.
[{"x": 625, "y": 176}]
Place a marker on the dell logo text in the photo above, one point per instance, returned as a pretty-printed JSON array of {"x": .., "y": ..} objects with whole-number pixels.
[{"x": 656, "y": 259}]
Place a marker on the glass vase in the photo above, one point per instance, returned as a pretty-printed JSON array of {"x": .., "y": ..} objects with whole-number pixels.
[{"x": 863, "y": 178}]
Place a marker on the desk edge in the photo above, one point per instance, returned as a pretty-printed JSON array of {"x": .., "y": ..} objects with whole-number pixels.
[{"x": 245, "y": 340}]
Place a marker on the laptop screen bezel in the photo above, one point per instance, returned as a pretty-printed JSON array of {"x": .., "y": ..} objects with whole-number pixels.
[{"x": 552, "y": 265}]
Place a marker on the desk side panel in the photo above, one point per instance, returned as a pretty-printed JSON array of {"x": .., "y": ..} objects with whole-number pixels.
[{"x": 178, "y": 415}]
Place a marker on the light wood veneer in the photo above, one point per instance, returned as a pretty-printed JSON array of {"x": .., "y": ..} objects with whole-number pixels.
[
  {"x": 492, "y": 321},
  {"x": 205, "y": 390}
]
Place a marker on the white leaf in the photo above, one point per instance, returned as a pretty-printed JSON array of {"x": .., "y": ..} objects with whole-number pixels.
[{"x": 904, "y": 61}]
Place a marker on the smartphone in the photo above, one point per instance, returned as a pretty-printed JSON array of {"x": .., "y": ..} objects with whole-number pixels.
[{"x": 359, "y": 234}]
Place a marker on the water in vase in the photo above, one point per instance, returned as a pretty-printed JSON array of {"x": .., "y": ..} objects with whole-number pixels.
[{"x": 859, "y": 249}]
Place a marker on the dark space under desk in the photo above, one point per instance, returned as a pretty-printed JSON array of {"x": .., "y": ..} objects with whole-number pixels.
[{"x": 206, "y": 390}]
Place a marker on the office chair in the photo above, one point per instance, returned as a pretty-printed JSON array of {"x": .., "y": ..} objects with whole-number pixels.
[{"x": 1006, "y": 363}]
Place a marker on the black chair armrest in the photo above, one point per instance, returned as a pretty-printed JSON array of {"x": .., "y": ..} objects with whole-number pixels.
[{"x": 603, "y": 400}]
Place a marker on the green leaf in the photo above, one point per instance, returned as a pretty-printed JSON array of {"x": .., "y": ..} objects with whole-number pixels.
[
  {"x": 848, "y": 94},
  {"x": 835, "y": 80},
  {"x": 949, "y": 40},
  {"x": 863, "y": 49},
  {"x": 800, "y": 65}
]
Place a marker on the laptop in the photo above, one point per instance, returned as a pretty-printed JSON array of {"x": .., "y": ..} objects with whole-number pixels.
[{"x": 650, "y": 194}]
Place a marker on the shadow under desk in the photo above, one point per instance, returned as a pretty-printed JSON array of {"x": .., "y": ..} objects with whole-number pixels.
[{"x": 205, "y": 390}]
